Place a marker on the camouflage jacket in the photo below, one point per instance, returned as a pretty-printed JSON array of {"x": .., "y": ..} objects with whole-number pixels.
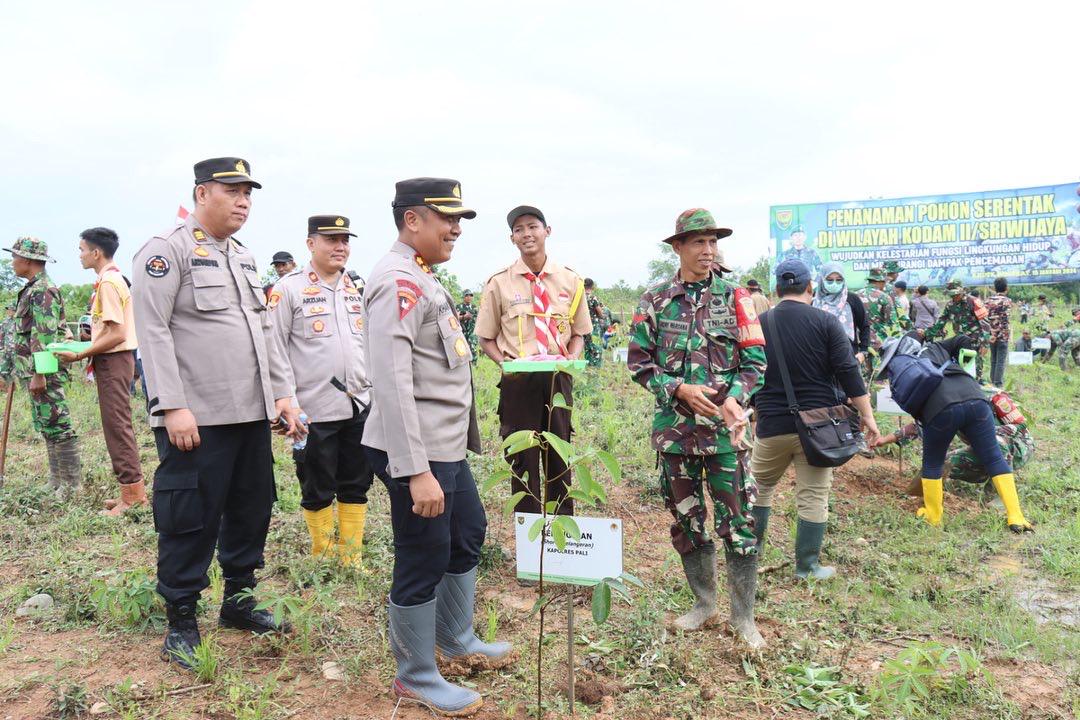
[
  {"x": 39, "y": 320},
  {"x": 881, "y": 314},
  {"x": 597, "y": 314},
  {"x": 699, "y": 333},
  {"x": 968, "y": 317},
  {"x": 997, "y": 309},
  {"x": 467, "y": 324},
  {"x": 7, "y": 348}
]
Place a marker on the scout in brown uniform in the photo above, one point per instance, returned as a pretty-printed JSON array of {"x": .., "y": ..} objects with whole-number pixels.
[
  {"x": 215, "y": 377},
  {"x": 318, "y": 318},
  {"x": 420, "y": 426},
  {"x": 534, "y": 307},
  {"x": 112, "y": 346}
]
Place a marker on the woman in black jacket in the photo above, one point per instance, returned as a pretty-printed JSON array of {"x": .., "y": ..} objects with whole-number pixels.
[{"x": 957, "y": 405}]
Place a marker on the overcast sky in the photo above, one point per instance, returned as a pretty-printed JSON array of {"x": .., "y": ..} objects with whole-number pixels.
[{"x": 610, "y": 117}]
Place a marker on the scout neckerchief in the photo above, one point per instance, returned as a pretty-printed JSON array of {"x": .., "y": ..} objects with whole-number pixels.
[{"x": 547, "y": 331}]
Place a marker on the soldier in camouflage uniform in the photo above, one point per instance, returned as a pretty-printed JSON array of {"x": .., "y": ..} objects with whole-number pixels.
[
  {"x": 799, "y": 251},
  {"x": 969, "y": 317},
  {"x": 593, "y": 352},
  {"x": 466, "y": 313},
  {"x": 39, "y": 320},
  {"x": 1065, "y": 342},
  {"x": 881, "y": 314},
  {"x": 892, "y": 272},
  {"x": 695, "y": 340},
  {"x": 7, "y": 345}
]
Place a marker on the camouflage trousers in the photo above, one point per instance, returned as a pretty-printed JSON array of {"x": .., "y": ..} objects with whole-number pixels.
[
  {"x": 963, "y": 464},
  {"x": 50, "y": 409},
  {"x": 869, "y": 363},
  {"x": 1070, "y": 347},
  {"x": 471, "y": 339},
  {"x": 683, "y": 479},
  {"x": 594, "y": 353}
]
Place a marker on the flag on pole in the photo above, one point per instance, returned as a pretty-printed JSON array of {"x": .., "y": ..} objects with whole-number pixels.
[{"x": 181, "y": 215}]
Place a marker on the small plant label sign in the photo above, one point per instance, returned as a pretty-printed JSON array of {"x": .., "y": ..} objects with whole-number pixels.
[
  {"x": 886, "y": 405},
  {"x": 1021, "y": 357},
  {"x": 586, "y": 560}
]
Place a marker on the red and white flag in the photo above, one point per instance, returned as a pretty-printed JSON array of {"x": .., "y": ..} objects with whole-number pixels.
[{"x": 181, "y": 215}]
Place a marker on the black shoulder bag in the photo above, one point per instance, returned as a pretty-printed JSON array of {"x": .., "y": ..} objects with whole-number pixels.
[{"x": 829, "y": 436}]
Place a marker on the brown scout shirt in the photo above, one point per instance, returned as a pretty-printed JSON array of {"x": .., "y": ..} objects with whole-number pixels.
[
  {"x": 507, "y": 302},
  {"x": 321, "y": 328},
  {"x": 418, "y": 362},
  {"x": 205, "y": 338}
]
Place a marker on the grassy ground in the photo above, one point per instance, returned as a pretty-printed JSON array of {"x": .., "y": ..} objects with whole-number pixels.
[{"x": 965, "y": 613}]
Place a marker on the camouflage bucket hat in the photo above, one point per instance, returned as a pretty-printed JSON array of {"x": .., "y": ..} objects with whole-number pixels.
[
  {"x": 955, "y": 287},
  {"x": 876, "y": 275},
  {"x": 891, "y": 266},
  {"x": 31, "y": 248},
  {"x": 694, "y": 221}
]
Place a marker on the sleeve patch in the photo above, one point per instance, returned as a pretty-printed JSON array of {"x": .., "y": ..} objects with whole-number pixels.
[
  {"x": 157, "y": 266},
  {"x": 408, "y": 295}
]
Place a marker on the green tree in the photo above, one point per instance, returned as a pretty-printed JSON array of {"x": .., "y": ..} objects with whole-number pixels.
[
  {"x": 663, "y": 267},
  {"x": 449, "y": 281}
]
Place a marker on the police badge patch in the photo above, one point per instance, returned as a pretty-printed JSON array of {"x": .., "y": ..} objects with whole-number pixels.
[{"x": 157, "y": 266}]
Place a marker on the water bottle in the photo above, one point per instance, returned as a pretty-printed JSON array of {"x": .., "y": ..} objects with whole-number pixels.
[{"x": 301, "y": 443}]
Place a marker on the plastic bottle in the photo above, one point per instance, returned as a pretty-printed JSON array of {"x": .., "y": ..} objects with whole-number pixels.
[{"x": 301, "y": 443}]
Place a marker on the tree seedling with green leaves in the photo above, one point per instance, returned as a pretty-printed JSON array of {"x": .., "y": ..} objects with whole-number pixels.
[{"x": 583, "y": 488}]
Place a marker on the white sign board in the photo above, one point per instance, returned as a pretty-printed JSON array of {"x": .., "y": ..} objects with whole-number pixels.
[
  {"x": 886, "y": 405},
  {"x": 1040, "y": 343},
  {"x": 597, "y": 555},
  {"x": 619, "y": 354},
  {"x": 1018, "y": 357}
]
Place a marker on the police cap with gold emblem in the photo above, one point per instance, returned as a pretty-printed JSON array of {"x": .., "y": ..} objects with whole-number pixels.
[
  {"x": 329, "y": 225},
  {"x": 229, "y": 170},
  {"x": 440, "y": 194}
]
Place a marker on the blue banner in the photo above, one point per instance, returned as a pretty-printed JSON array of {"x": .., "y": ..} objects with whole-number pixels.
[{"x": 1030, "y": 235}]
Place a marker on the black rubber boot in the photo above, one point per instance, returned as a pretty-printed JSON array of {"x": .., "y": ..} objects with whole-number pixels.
[
  {"x": 761, "y": 525},
  {"x": 183, "y": 635},
  {"x": 238, "y": 611}
]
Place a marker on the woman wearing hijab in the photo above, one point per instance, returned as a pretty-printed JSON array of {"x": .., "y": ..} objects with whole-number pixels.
[{"x": 833, "y": 297}]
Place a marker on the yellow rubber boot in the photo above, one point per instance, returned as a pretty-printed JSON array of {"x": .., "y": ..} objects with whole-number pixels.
[
  {"x": 1014, "y": 516},
  {"x": 351, "y": 517},
  {"x": 320, "y": 524},
  {"x": 933, "y": 502}
]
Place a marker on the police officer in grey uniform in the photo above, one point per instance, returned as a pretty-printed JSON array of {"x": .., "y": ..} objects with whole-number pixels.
[
  {"x": 318, "y": 318},
  {"x": 421, "y": 423},
  {"x": 215, "y": 378}
]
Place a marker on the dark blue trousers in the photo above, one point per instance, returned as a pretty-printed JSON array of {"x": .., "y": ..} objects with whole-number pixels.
[
  {"x": 425, "y": 549},
  {"x": 973, "y": 418}
]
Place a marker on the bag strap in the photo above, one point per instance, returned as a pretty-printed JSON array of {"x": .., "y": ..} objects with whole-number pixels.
[{"x": 793, "y": 404}]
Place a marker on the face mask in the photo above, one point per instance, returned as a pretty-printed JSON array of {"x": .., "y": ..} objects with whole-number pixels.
[{"x": 834, "y": 286}]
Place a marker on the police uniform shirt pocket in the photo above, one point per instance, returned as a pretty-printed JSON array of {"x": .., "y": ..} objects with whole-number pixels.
[
  {"x": 258, "y": 297},
  {"x": 208, "y": 287},
  {"x": 454, "y": 343},
  {"x": 354, "y": 310},
  {"x": 317, "y": 321},
  {"x": 177, "y": 503}
]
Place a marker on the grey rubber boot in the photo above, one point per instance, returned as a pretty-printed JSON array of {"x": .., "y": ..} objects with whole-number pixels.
[
  {"x": 742, "y": 586},
  {"x": 700, "y": 568},
  {"x": 412, "y": 641},
  {"x": 761, "y": 525},
  {"x": 69, "y": 465},
  {"x": 54, "y": 465},
  {"x": 808, "y": 538},
  {"x": 455, "y": 637}
]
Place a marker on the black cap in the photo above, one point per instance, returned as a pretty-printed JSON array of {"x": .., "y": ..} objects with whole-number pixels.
[
  {"x": 513, "y": 215},
  {"x": 230, "y": 170},
  {"x": 440, "y": 194},
  {"x": 792, "y": 273},
  {"x": 281, "y": 257},
  {"x": 329, "y": 225},
  {"x": 753, "y": 283}
]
